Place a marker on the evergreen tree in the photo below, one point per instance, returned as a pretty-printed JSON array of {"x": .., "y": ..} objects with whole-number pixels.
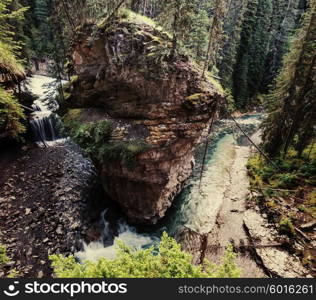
[
  {"x": 11, "y": 70},
  {"x": 285, "y": 19},
  {"x": 232, "y": 29},
  {"x": 292, "y": 117},
  {"x": 216, "y": 36},
  {"x": 259, "y": 47},
  {"x": 168, "y": 261},
  {"x": 240, "y": 77}
]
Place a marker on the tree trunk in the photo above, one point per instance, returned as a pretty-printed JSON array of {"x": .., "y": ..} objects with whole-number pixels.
[{"x": 175, "y": 29}]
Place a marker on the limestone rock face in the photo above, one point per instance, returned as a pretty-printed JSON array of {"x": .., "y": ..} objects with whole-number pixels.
[{"x": 125, "y": 70}]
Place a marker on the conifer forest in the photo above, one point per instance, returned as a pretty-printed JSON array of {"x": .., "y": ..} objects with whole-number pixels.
[{"x": 157, "y": 139}]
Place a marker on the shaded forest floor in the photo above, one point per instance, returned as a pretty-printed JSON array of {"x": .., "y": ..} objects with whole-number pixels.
[{"x": 288, "y": 197}]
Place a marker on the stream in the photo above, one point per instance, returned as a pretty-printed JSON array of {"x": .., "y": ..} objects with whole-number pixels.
[
  {"x": 43, "y": 120},
  {"x": 211, "y": 208}
]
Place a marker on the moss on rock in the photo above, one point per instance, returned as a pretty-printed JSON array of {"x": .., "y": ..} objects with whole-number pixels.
[{"x": 96, "y": 139}]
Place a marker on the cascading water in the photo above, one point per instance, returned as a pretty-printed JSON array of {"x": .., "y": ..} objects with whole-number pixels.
[
  {"x": 125, "y": 233},
  {"x": 43, "y": 119},
  {"x": 195, "y": 208}
]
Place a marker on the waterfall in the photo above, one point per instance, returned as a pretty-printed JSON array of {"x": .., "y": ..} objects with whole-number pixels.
[
  {"x": 43, "y": 127},
  {"x": 43, "y": 119},
  {"x": 105, "y": 247}
]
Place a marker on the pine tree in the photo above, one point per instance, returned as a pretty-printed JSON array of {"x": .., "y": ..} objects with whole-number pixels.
[
  {"x": 292, "y": 118},
  {"x": 232, "y": 29},
  {"x": 240, "y": 77},
  {"x": 253, "y": 49},
  {"x": 10, "y": 48},
  {"x": 285, "y": 19},
  {"x": 11, "y": 70},
  {"x": 216, "y": 36}
]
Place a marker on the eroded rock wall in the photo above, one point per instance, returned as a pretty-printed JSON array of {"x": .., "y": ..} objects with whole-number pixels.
[{"x": 124, "y": 69}]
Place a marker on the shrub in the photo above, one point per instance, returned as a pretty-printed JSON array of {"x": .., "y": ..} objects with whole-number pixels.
[
  {"x": 267, "y": 172},
  {"x": 168, "y": 262},
  {"x": 308, "y": 169},
  {"x": 95, "y": 138},
  {"x": 287, "y": 180},
  {"x": 92, "y": 136}
]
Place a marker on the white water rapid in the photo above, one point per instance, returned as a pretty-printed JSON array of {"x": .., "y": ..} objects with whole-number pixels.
[{"x": 43, "y": 120}]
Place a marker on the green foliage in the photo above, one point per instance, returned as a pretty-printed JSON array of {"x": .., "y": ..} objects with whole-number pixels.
[
  {"x": 168, "y": 261},
  {"x": 286, "y": 226},
  {"x": 286, "y": 180},
  {"x": 92, "y": 136},
  {"x": 292, "y": 173},
  {"x": 291, "y": 121},
  {"x": 11, "y": 114},
  {"x": 96, "y": 139},
  {"x": 3, "y": 256},
  {"x": 10, "y": 65},
  {"x": 9, "y": 62},
  {"x": 123, "y": 151},
  {"x": 4, "y": 259}
]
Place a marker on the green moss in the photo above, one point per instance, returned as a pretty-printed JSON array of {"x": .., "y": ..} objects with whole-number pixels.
[
  {"x": 138, "y": 19},
  {"x": 198, "y": 101},
  {"x": 195, "y": 97},
  {"x": 67, "y": 95},
  {"x": 124, "y": 151},
  {"x": 3, "y": 255},
  {"x": 286, "y": 226},
  {"x": 74, "y": 79},
  {"x": 311, "y": 197},
  {"x": 96, "y": 140},
  {"x": 311, "y": 203},
  {"x": 302, "y": 208},
  {"x": 72, "y": 121},
  {"x": 215, "y": 83}
]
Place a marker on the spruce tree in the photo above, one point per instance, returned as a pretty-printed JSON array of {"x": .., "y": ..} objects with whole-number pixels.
[
  {"x": 240, "y": 77},
  {"x": 232, "y": 30},
  {"x": 292, "y": 117}
]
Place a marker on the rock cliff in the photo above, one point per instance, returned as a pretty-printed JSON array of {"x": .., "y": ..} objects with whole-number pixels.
[{"x": 157, "y": 109}]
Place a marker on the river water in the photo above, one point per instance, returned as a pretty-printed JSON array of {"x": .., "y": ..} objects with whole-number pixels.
[
  {"x": 199, "y": 207},
  {"x": 211, "y": 206}
]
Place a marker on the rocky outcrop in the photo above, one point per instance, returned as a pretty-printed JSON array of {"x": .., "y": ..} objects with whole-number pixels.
[
  {"x": 124, "y": 69},
  {"x": 277, "y": 261}
]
